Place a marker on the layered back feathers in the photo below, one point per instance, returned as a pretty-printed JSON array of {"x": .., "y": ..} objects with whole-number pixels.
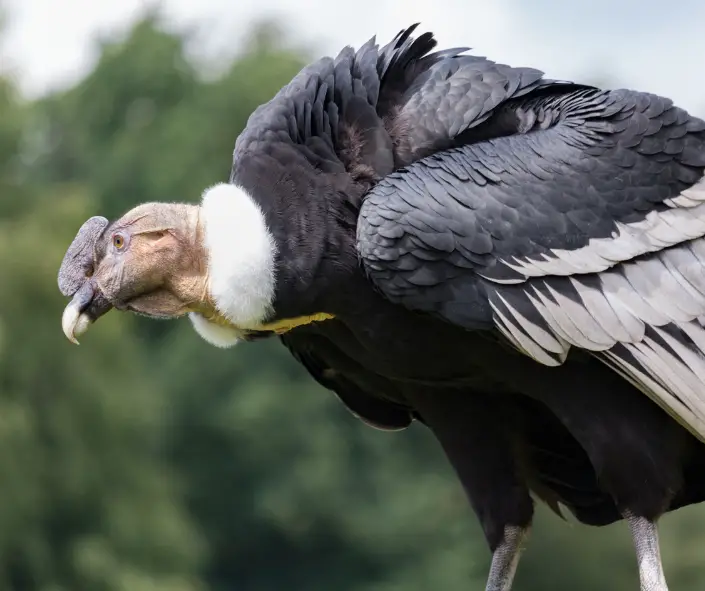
[{"x": 376, "y": 110}]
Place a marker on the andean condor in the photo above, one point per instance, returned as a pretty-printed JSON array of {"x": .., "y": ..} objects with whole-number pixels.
[{"x": 514, "y": 261}]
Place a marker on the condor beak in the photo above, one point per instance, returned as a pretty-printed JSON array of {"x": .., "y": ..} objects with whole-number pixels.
[{"x": 87, "y": 305}]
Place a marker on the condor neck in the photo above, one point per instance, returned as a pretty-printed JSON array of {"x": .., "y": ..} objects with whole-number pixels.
[
  {"x": 315, "y": 256},
  {"x": 309, "y": 206},
  {"x": 276, "y": 264},
  {"x": 263, "y": 272}
]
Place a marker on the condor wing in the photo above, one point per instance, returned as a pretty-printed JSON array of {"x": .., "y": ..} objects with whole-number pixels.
[{"x": 586, "y": 231}]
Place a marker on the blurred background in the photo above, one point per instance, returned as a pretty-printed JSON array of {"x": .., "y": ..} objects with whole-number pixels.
[{"x": 147, "y": 460}]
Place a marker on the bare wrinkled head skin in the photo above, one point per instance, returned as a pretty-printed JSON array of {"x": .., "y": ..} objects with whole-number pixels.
[{"x": 151, "y": 261}]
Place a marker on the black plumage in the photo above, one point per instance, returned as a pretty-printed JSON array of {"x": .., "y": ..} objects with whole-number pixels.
[{"x": 462, "y": 168}]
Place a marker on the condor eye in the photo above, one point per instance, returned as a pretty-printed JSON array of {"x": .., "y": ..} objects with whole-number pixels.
[{"x": 118, "y": 241}]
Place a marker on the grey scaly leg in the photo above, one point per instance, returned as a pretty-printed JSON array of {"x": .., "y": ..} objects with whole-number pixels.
[
  {"x": 648, "y": 554},
  {"x": 506, "y": 558}
]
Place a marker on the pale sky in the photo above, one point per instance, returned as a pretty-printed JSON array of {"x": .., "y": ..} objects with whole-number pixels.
[{"x": 645, "y": 44}]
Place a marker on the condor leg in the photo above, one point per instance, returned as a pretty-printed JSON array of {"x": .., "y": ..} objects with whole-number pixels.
[
  {"x": 472, "y": 430},
  {"x": 648, "y": 554},
  {"x": 505, "y": 558},
  {"x": 636, "y": 449}
]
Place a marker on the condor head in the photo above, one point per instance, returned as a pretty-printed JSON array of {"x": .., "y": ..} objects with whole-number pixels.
[{"x": 213, "y": 261}]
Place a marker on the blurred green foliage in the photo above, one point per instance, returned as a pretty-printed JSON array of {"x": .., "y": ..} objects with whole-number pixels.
[{"x": 147, "y": 460}]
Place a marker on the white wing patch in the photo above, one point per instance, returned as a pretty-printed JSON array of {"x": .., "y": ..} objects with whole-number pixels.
[
  {"x": 684, "y": 221},
  {"x": 644, "y": 318}
]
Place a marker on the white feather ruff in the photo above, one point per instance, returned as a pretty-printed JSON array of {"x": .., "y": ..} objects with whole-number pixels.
[
  {"x": 241, "y": 258},
  {"x": 241, "y": 255}
]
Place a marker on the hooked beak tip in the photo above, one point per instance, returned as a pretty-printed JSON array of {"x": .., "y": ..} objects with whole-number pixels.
[{"x": 74, "y": 322}]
